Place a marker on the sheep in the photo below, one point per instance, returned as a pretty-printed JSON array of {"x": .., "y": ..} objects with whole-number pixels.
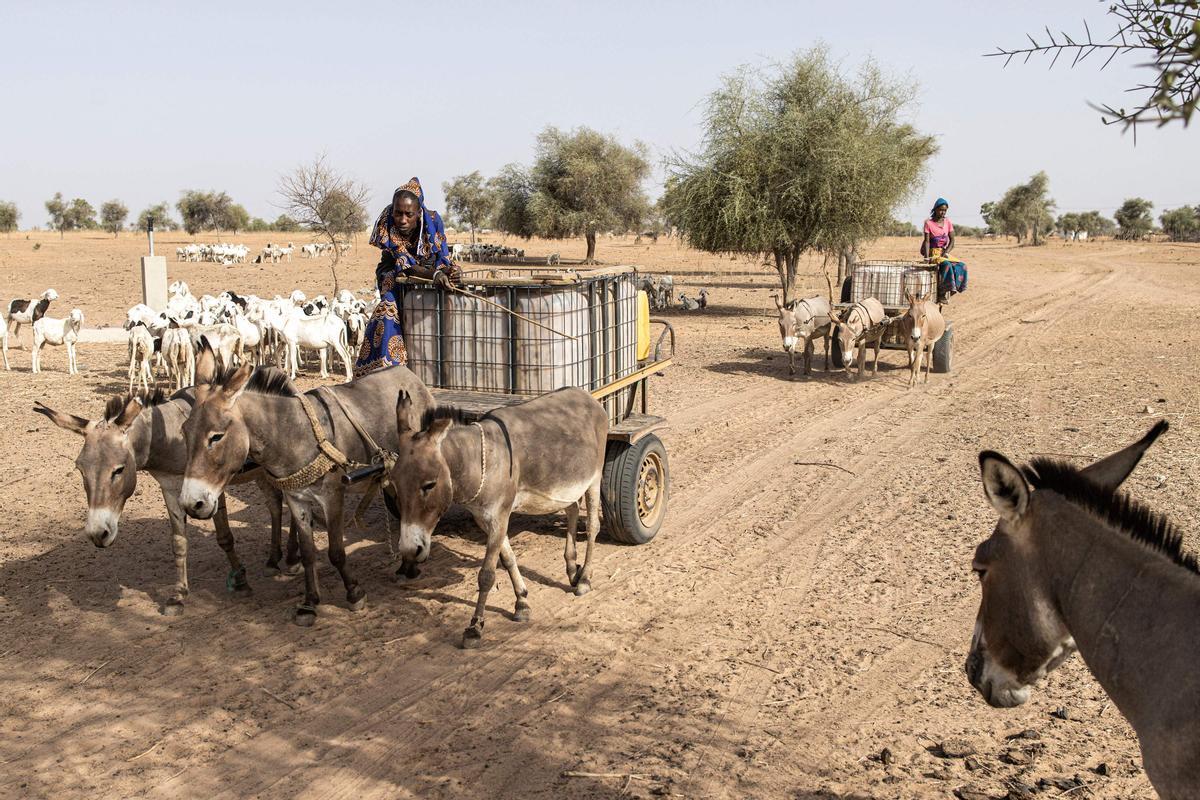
[
  {"x": 141, "y": 348},
  {"x": 58, "y": 332}
]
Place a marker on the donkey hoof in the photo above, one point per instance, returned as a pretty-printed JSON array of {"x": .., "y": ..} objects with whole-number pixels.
[
  {"x": 582, "y": 588},
  {"x": 359, "y": 604},
  {"x": 270, "y": 570},
  {"x": 472, "y": 638},
  {"x": 293, "y": 569},
  {"x": 244, "y": 590},
  {"x": 521, "y": 614},
  {"x": 575, "y": 578},
  {"x": 172, "y": 608},
  {"x": 305, "y": 616}
]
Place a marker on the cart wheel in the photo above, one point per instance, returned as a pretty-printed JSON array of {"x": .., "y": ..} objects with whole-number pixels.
[
  {"x": 942, "y": 350},
  {"x": 635, "y": 487}
]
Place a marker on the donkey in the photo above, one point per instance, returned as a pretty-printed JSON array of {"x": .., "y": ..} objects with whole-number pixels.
[
  {"x": 257, "y": 413},
  {"x": 1075, "y": 564},
  {"x": 145, "y": 434},
  {"x": 803, "y": 320},
  {"x": 539, "y": 457},
  {"x": 923, "y": 325},
  {"x": 849, "y": 328}
]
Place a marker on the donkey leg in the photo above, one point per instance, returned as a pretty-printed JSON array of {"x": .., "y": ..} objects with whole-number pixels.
[
  {"x": 593, "y": 529},
  {"x": 497, "y": 534},
  {"x": 174, "y": 604},
  {"x": 875, "y": 367},
  {"x": 334, "y": 506},
  {"x": 509, "y": 560},
  {"x": 292, "y": 560},
  {"x": 236, "y": 581},
  {"x": 274, "y": 499},
  {"x": 569, "y": 554},
  {"x": 306, "y": 612}
]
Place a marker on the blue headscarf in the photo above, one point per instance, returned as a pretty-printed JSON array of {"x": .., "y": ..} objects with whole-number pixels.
[
  {"x": 430, "y": 239},
  {"x": 941, "y": 201}
]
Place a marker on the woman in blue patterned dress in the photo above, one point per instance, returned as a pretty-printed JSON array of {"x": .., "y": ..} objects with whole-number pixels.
[{"x": 413, "y": 241}]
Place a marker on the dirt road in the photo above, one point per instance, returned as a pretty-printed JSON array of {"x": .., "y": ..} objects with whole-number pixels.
[{"x": 807, "y": 604}]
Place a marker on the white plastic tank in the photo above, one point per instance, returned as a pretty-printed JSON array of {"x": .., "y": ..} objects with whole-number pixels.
[{"x": 546, "y": 360}]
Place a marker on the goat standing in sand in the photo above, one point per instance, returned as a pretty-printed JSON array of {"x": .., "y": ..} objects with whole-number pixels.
[
  {"x": 179, "y": 357},
  {"x": 58, "y": 332},
  {"x": 803, "y": 320},
  {"x": 538, "y": 457},
  {"x": 860, "y": 326},
  {"x": 923, "y": 325},
  {"x": 141, "y": 351},
  {"x": 1075, "y": 564}
]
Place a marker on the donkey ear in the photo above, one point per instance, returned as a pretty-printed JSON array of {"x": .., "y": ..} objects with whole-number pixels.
[
  {"x": 438, "y": 429},
  {"x": 133, "y": 407},
  {"x": 1004, "y": 485},
  {"x": 778, "y": 304},
  {"x": 206, "y": 363},
  {"x": 234, "y": 387},
  {"x": 68, "y": 422},
  {"x": 404, "y": 406},
  {"x": 1111, "y": 471}
]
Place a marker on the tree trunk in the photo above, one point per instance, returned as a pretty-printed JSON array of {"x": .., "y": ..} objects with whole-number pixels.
[
  {"x": 472, "y": 235},
  {"x": 781, "y": 269},
  {"x": 591, "y": 248},
  {"x": 337, "y": 256},
  {"x": 792, "y": 259}
]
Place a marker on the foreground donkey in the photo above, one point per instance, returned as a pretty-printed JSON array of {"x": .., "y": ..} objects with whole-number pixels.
[
  {"x": 146, "y": 434},
  {"x": 538, "y": 457},
  {"x": 851, "y": 328},
  {"x": 257, "y": 413},
  {"x": 923, "y": 325},
  {"x": 1075, "y": 564},
  {"x": 803, "y": 320}
]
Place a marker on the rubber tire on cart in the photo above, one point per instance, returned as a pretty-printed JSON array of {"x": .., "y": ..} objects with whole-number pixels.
[
  {"x": 635, "y": 488},
  {"x": 942, "y": 350},
  {"x": 835, "y": 346}
]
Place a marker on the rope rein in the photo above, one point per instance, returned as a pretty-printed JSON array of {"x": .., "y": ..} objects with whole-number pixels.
[{"x": 482, "y": 464}]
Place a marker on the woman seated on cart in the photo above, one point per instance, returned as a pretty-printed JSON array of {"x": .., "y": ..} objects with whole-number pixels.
[
  {"x": 413, "y": 241},
  {"x": 936, "y": 246}
]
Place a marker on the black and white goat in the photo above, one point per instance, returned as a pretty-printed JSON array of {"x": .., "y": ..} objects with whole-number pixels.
[{"x": 26, "y": 312}]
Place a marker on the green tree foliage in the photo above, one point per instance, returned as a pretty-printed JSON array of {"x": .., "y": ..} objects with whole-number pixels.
[
  {"x": 897, "y": 227},
  {"x": 324, "y": 201},
  {"x": 9, "y": 215},
  {"x": 511, "y": 190},
  {"x": 1182, "y": 224},
  {"x": 1134, "y": 220},
  {"x": 205, "y": 211},
  {"x": 285, "y": 224},
  {"x": 113, "y": 215},
  {"x": 469, "y": 200},
  {"x": 1163, "y": 34},
  {"x": 805, "y": 158},
  {"x": 161, "y": 213},
  {"x": 1096, "y": 224},
  {"x": 963, "y": 231},
  {"x": 60, "y": 219},
  {"x": 1025, "y": 211},
  {"x": 83, "y": 214},
  {"x": 584, "y": 182},
  {"x": 235, "y": 218},
  {"x": 75, "y": 215}
]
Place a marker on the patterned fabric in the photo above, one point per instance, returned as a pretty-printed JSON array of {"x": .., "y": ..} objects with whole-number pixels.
[
  {"x": 952, "y": 275},
  {"x": 383, "y": 341}
]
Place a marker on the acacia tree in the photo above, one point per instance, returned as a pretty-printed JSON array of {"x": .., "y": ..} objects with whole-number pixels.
[
  {"x": 9, "y": 215},
  {"x": 1025, "y": 211},
  {"x": 1134, "y": 220},
  {"x": 1164, "y": 33},
  {"x": 161, "y": 214},
  {"x": 468, "y": 198},
  {"x": 807, "y": 158},
  {"x": 206, "y": 211},
  {"x": 582, "y": 182},
  {"x": 1096, "y": 224},
  {"x": 112, "y": 216},
  {"x": 83, "y": 214},
  {"x": 1182, "y": 224},
  {"x": 511, "y": 190},
  {"x": 324, "y": 201}
]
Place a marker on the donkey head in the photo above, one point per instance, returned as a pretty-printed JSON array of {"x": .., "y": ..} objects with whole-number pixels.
[
  {"x": 845, "y": 335},
  {"x": 1020, "y": 635},
  {"x": 914, "y": 318},
  {"x": 106, "y": 462},
  {"x": 787, "y": 323},
  {"x": 421, "y": 478},
  {"x": 217, "y": 438}
]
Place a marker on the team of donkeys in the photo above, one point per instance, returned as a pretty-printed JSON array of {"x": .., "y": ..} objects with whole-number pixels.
[
  {"x": 250, "y": 424},
  {"x": 863, "y": 325}
]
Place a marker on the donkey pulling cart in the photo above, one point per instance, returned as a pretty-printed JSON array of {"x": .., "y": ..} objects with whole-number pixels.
[
  {"x": 889, "y": 282},
  {"x": 518, "y": 332}
]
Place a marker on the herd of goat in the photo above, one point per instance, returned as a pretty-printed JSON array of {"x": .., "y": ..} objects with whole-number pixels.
[
  {"x": 222, "y": 253},
  {"x": 240, "y": 330}
]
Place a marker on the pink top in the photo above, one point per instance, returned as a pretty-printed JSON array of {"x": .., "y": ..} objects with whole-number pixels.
[{"x": 939, "y": 234}]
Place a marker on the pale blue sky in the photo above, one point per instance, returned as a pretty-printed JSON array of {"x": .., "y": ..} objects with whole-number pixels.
[{"x": 140, "y": 100}]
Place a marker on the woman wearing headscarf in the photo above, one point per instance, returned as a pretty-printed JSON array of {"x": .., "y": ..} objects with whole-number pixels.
[
  {"x": 413, "y": 241},
  {"x": 936, "y": 246}
]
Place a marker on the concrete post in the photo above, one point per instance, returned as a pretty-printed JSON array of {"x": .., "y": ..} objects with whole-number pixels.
[{"x": 154, "y": 282}]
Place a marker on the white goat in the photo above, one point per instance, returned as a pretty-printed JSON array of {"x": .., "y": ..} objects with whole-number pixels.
[
  {"x": 141, "y": 349},
  {"x": 179, "y": 357},
  {"x": 57, "y": 332}
]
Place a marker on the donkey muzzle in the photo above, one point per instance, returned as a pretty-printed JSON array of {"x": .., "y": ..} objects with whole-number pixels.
[
  {"x": 198, "y": 498},
  {"x": 789, "y": 343},
  {"x": 101, "y": 526}
]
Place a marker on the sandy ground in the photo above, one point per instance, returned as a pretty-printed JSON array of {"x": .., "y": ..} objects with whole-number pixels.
[{"x": 788, "y": 624}]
